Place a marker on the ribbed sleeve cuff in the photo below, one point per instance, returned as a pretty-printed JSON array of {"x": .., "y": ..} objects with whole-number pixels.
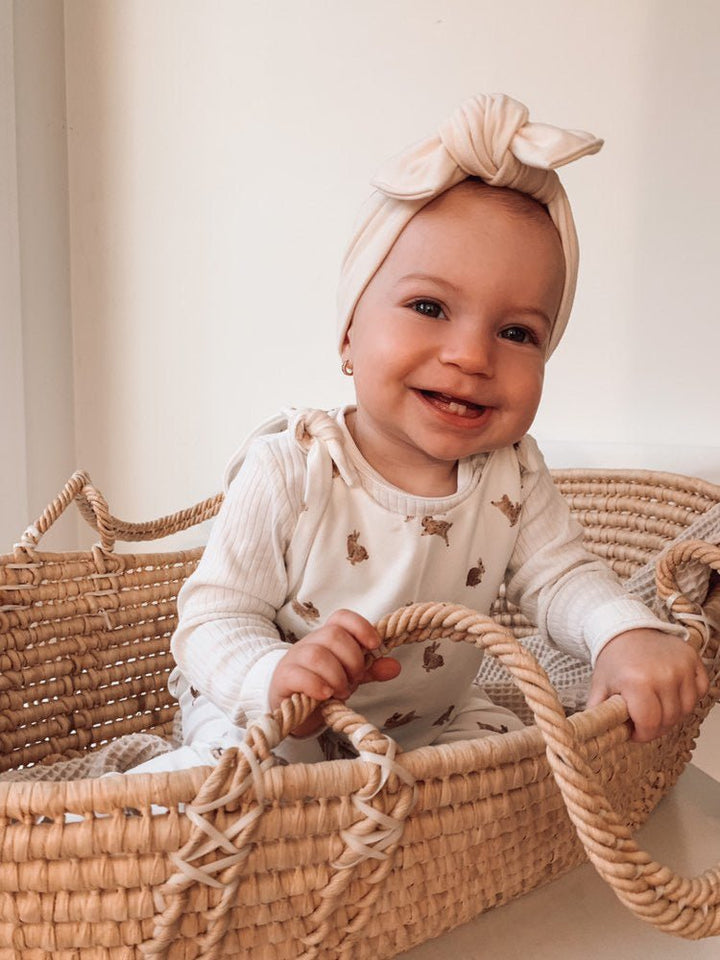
[
  {"x": 616, "y": 616},
  {"x": 256, "y": 685}
]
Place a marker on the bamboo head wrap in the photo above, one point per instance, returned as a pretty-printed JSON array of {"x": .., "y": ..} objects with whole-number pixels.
[{"x": 488, "y": 136}]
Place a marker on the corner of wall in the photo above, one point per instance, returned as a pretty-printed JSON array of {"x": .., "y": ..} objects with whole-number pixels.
[{"x": 44, "y": 258}]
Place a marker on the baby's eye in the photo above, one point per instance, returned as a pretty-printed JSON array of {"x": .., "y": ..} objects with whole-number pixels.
[
  {"x": 428, "y": 308},
  {"x": 518, "y": 335}
]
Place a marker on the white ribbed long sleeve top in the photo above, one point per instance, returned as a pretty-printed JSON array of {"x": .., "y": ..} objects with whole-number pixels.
[{"x": 227, "y": 643}]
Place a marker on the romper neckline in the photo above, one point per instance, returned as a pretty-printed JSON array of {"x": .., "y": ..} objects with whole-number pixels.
[{"x": 397, "y": 500}]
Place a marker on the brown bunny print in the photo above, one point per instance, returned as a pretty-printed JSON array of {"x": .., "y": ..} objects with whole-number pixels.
[
  {"x": 432, "y": 660},
  {"x": 399, "y": 720},
  {"x": 444, "y": 717},
  {"x": 356, "y": 552},
  {"x": 510, "y": 509},
  {"x": 287, "y": 636},
  {"x": 475, "y": 574},
  {"x": 439, "y": 528},
  {"x": 308, "y": 611},
  {"x": 488, "y": 726}
]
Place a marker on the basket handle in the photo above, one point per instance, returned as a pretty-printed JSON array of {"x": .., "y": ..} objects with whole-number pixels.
[
  {"x": 95, "y": 511},
  {"x": 685, "y": 553},
  {"x": 384, "y": 801},
  {"x": 685, "y": 907}
]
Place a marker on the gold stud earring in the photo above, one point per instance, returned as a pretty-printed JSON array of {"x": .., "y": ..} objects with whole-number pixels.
[{"x": 347, "y": 368}]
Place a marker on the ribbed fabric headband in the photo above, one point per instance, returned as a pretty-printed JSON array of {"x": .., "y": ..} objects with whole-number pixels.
[{"x": 489, "y": 137}]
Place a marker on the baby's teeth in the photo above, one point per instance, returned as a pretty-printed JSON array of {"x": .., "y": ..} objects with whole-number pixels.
[{"x": 457, "y": 408}]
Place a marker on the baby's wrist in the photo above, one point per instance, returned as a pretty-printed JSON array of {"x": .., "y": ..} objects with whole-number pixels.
[{"x": 257, "y": 683}]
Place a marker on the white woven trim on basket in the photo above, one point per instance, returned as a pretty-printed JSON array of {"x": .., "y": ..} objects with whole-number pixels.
[
  {"x": 29, "y": 538},
  {"x": 217, "y": 839},
  {"x": 390, "y": 829},
  {"x": 690, "y": 617},
  {"x": 114, "y": 591}
]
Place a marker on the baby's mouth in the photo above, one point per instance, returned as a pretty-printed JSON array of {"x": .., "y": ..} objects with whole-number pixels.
[{"x": 461, "y": 408}]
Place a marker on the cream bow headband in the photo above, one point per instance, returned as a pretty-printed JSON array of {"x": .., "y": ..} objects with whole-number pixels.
[{"x": 489, "y": 137}]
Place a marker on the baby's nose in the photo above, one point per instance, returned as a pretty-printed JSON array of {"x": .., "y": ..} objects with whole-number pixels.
[{"x": 470, "y": 351}]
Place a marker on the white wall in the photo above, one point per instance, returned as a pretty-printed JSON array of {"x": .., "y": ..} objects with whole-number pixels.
[{"x": 218, "y": 152}]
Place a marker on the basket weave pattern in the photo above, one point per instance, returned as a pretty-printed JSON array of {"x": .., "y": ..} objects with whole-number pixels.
[{"x": 265, "y": 861}]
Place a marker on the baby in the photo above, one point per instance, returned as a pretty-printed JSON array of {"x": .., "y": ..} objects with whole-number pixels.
[{"x": 456, "y": 288}]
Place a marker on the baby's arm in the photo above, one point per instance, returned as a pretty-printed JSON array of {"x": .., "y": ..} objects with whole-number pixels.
[
  {"x": 576, "y": 600},
  {"x": 226, "y": 643},
  {"x": 330, "y": 662},
  {"x": 659, "y": 676}
]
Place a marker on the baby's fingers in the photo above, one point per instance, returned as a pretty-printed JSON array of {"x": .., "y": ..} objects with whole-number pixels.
[
  {"x": 654, "y": 713},
  {"x": 386, "y": 668},
  {"x": 646, "y": 714},
  {"x": 688, "y": 696},
  {"x": 299, "y": 679},
  {"x": 693, "y": 688},
  {"x": 599, "y": 692},
  {"x": 702, "y": 680},
  {"x": 360, "y": 629}
]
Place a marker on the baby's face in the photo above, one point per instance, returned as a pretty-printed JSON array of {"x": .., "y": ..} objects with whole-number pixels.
[{"x": 448, "y": 340}]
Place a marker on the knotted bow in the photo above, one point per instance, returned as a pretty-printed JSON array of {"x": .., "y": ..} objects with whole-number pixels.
[{"x": 488, "y": 136}]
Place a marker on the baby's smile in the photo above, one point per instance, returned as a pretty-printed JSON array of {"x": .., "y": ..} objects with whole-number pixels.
[{"x": 449, "y": 404}]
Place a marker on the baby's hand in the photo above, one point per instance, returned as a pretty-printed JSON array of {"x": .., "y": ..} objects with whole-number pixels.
[
  {"x": 660, "y": 677},
  {"x": 330, "y": 662}
]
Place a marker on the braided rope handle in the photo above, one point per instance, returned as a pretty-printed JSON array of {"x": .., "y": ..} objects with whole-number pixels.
[
  {"x": 686, "y": 553},
  {"x": 384, "y": 801},
  {"x": 95, "y": 511},
  {"x": 687, "y": 907}
]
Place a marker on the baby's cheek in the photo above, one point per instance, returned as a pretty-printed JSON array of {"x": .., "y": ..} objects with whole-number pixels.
[{"x": 533, "y": 386}]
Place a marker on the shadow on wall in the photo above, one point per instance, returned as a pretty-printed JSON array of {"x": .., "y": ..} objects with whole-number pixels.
[{"x": 44, "y": 259}]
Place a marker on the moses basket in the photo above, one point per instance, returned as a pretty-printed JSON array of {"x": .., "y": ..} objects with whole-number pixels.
[{"x": 352, "y": 858}]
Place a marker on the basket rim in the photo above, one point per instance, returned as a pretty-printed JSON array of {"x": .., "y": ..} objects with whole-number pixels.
[
  {"x": 292, "y": 782},
  {"x": 650, "y": 477}
]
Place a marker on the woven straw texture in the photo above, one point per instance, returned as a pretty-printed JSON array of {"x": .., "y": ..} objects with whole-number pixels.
[{"x": 350, "y": 858}]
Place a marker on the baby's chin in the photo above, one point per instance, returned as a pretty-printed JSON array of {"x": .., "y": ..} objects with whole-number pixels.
[{"x": 461, "y": 451}]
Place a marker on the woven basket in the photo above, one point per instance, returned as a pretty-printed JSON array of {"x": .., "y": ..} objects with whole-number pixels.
[{"x": 349, "y": 858}]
